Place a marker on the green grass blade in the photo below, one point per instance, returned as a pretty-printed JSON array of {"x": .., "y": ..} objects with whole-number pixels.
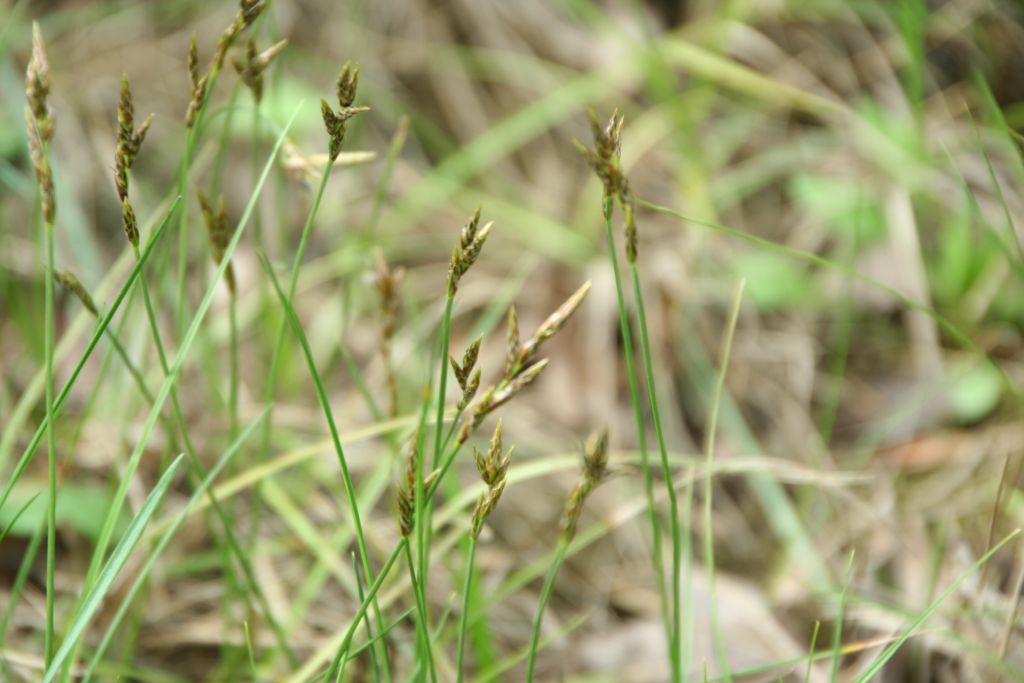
[
  {"x": 888, "y": 653},
  {"x": 94, "y": 598}
]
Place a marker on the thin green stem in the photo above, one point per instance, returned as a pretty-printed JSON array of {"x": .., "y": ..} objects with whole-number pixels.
[
  {"x": 337, "y": 667},
  {"x": 37, "y": 437},
  {"x": 464, "y": 618},
  {"x": 233, "y": 361},
  {"x": 423, "y": 632},
  {"x": 350, "y": 490},
  {"x": 671, "y": 626},
  {"x": 51, "y": 452},
  {"x": 423, "y": 513},
  {"x": 361, "y": 594},
  {"x": 666, "y": 470},
  {"x": 709, "y": 454},
  {"x": 545, "y": 596}
]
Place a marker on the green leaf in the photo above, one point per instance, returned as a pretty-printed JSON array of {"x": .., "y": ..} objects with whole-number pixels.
[{"x": 113, "y": 567}]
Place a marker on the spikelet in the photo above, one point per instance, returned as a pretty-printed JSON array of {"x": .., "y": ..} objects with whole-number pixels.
[
  {"x": 605, "y": 160},
  {"x": 595, "y": 469},
  {"x": 550, "y": 326},
  {"x": 129, "y": 141},
  {"x": 407, "y": 491},
  {"x": 493, "y": 468},
  {"x": 465, "y": 254},
  {"x": 197, "y": 82},
  {"x": 248, "y": 11},
  {"x": 215, "y": 218},
  {"x": 68, "y": 281},
  {"x": 39, "y": 122},
  {"x": 336, "y": 121},
  {"x": 251, "y": 69},
  {"x": 469, "y": 381}
]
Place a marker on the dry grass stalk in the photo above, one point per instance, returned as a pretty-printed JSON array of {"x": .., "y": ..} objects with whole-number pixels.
[
  {"x": 387, "y": 280},
  {"x": 493, "y": 468},
  {"x": 336, "y": 121},
  {"x": 215, "y": 218},
  {"x": 68, "y": 281},
  {"x": 40, "y": 123},
  {"x": 251, "y": 69},
  {"x": 595, "y": 469},
  {"x": 607, "y": 164}
]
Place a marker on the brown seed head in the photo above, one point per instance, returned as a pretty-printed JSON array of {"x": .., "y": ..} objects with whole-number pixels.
[
  {"x": 552, "y": 325},
  {"x": 37, "y": 86},
  {"x": 335, "y": 122},
  {"x": 215, "y": 218},
  {"x": 407, "y": 491},
  {"x": 595, "y": 468},
  {"x": 130, "y": 224},
  {"x": 41, "y": 166},
  {"x": 251, "y": 69},
  {"x": 465, "y": 254},
  {"x": 71, "y": 283}
]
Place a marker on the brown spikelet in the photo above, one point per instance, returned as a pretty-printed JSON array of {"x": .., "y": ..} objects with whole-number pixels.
[
  {"x": 522, "y": 380},
  {"x": 493, "y": 468},
  {"x": 37, "y": 86},
  {"x": 595, "y": 469},
  {"x": 605, "y": 160},
  {"x": 465, "y": 254},
  {"x": 552, "y": 325},
  {"x": 68, "y": 281},
  {"x": 130, "y": 224},
  {"x": 129, "y": 139},
  {"x": 215, "y": 218},
  {"x": 407, "y": 491},
  {"x": 41, "y": 167},
  {"x": 336, "y": 121},
  {"x": 251, "y": 69},
  {"x": 513, "y": 346}
]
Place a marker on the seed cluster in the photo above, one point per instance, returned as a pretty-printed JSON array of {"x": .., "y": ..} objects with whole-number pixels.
[
  {"x": 606, "y": 161},
  {"x": 468, "y": 379},
  {"x": 129, "y": 140},
  {"x": 466, "y": 252},
  {"x": 493, "y": 468},
  {"x": 595, "y": 469},
  {"x": 521, "y": 365},
  {"x": 40, "y": 123},
  {"x": 336, "y": 122},
  {"x": 68, "y": 281},
  {"x": 251, "y": 68},
  {"x": 216, "y": 220}
]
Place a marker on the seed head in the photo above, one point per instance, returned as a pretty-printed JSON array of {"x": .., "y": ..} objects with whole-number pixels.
[
  {"x": 465, "y": 254},
  {"x": 336, "y": 121},
  {"x": 493, "y": 469},
  {"x": 130, "y": 224},
  {"x": 71, "y": 283},
  {"x": 605, "y": 160},
  {"x": 552, "y": 325},
  {"x": 129, "y": 141},
  {"x": 407, "y": 491},
  {"x": 215, "y": 218},
  {"x": 41, "y": 166},
  {"x": 251, "y": 69},
  {"x": 37, "y": 86},
  {"x": 595, "y": 468}
]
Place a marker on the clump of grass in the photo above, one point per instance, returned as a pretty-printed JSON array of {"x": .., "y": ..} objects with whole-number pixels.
[{"x": 595, "y": 469}]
